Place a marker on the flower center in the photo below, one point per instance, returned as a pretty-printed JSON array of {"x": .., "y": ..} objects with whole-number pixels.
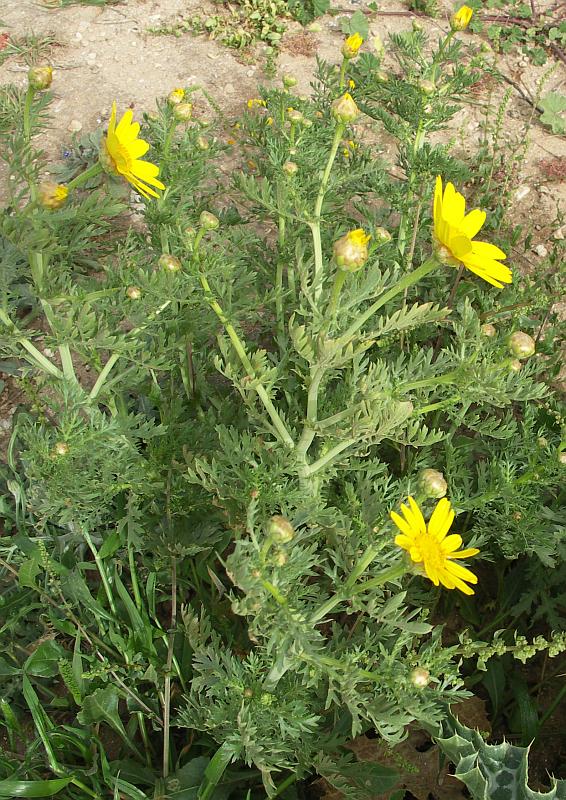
[
  {"x": 430, "y": 551},
  {"x": 122, "y": 159}
]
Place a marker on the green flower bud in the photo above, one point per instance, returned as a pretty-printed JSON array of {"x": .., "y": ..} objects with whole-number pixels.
[
  {"x": 432, "y": 483},
  {"x": 202, "y": 143},
  {"x": 40, "y": 78},
  {"x": 208, "y": 221},
  {"x": 280, "y": 529},
  {"x": 169, "y": 263},
  {"x": 381, "y": 236},
  {"x": 427, "y": 87},
  {"x": 133, "y": 292},
  {"x": 521, "y": 344},
  {"x": 290, "y": 168},
  {"x": 289, "y": 81},
  {"x": 562, "y": 457},
  {"x": 345, "y": 109},
  {"x": 420, "y": 677},
  {"x": 183, "y": 112},
  {"x": 489, "y": 330},
  {"x": 351, "y": 250},
  {"x": 381, "y": 76},
  {"x": 515, "y": 365},
  {"x": 542, "y": 442},
  {"x": 61, "y": 449}
]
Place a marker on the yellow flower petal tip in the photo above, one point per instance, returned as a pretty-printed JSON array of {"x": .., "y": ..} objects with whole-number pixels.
[
  {"x": 352, "y": 45},
  {"x": 461, "y": 19},
  {"x": 121, "y": 153},
  {"x": 454, "y": 232},
  {"x": 430, "y": 546}
]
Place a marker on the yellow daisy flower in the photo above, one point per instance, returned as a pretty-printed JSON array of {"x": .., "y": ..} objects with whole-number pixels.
[
  {"x": 454, "y": 231},
  {"x": 432, "y": 547},
  {"x": 352, "y": 45},
  {"x": 121, "y": 152},
  {"x": 461, "y": 19}
]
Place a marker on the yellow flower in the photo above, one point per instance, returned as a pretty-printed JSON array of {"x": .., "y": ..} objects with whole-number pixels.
[
  {"x": 352, "y": 45},
  {"x": 254, "y": 102},
  {"x": 175, "y": 97},
  {"x": 461, "y": 19},
  {"x": 351, "y": 84},
  {"x": 432, "y": 547},
  {"x": 454, "y": 231},
  {"x": 269, "y": 121},
  {"x": 121, "y": 152},
  {"x": 40, "y": 78}
]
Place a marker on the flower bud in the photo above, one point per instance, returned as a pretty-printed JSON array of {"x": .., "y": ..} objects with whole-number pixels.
[
  {"x": 289, "y": 81},
  {"x": 427, "y": 87},
  {"x": 290, "y": 168},
  {"x": 420, "y": 677},
  {"x": 61, "y": 448},
  {"x": 280, "y": 529},
  {"x": 52, "y": 195},
  {"x": 345, "y": 109},
  {"x": 133, "y": 292},
  {"x": 562, "y": 457},
  {"x": 169, "y": 263},
  {"x": 542, "y": 442},
  {"x": 521, "y": 344},
  {"x": 515, "y": 365},
  {"x": 281, "y": 559},
  {"x": 208, "y": 221},
  {"x": 381, "y": 76},
  {"x": 202, "y": 143},
  {"x": 352, "y": 45},
  {"x": 489, "y": 330},
  {"x": 432, "y": 483},
  {"x": 176, "y": 97},
  {"x": 417, "y": 26},
  {"x": 40, "y": 78},
  {"x": 461, "y": 19},
  {"x": 248, "y": 692},
  {"x": 351, "y": 250},
  {"x": 381, "y": 236},
  {"x": 183, "y": 112}
]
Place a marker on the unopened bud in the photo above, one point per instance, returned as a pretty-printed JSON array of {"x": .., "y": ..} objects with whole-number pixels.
[
  {"x": 133, "y": 292},
  {"x": 515, "y": 365},
  {"x": 176, "y": 97},
  {"x": 489, "y": 330},
  {"x": 562, "y": 457},
  {"x": 169, "y": 263},
  {"x": 461, "y": 19},
  {"x": 381, "y": 236},
  {"x": 280, "y": 529},
  {"x": 351, "y": 250},
  {"x": 52, "y": 195},
  {"x": 352, "y": 45},
  {"x": 420, "y": 677},
  {"x": 281, "y": 559},
  {"x": 433, "y": 484},
  {"x": 248, "y": 693},
  {"x": 521, "y": 344},
  {"x": 345, "y": 109},
  {"x": 40, "y": 78},
  {"x": 295, "y": 116},
  {"x": 381, "y": 76},
  {"x": 61, "y": 448},
  {"x": 289, "y": 81},
  {"x": 202, "y": 143},
  {"x": 208, "y": 221},
  {"x": 290, "y": 168},
  {"x": 427, "y": 87},
  {"x": 417, "y": 26},
  {"x": 542, "y": 442},
  {"x": 183, "y": 112}
]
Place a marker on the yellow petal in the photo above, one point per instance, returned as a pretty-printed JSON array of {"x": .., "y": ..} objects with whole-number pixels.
[
  {"x": 470, "y": 551},
  {"x": 453, "y": 206},
  {"x": 144, "y": 190},
  {"x": 487, "y": 250},
  {"x": 437, "y": 208},
  {"x": 446, "y": 580},
  {"x": 461, "y": 572},
  {"x": 459, "y": 245},
  {"x": 431, "y": 573},
  {"x": 138, "y": 148},
  {"x": 415, "y": 514},
  {"x": 124, "y": 124},
  {"x": 463, "y": 587},
  {"x": 143, "y": 175},
  {"x": 112, "y": 121},
  {"x": 491, "y": 271},
  {"x": 441, "y": 519},
  {"x": 403, "y": 541},
  {"x": 472, "y": 223},
  {"x": 450, "y": 543},
  {"x": 403, "y": 525}
]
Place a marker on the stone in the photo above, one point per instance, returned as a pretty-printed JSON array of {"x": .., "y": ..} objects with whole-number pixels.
[
  {"x": 75, "y": 126},
  {"x": 522, "y": 192},
  {"x": 540, "y": 250}
]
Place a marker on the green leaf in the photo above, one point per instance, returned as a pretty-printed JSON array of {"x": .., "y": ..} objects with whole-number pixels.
[
  {"x": 357, "y": 23},
  {"x": 43, "y": 662},
  {"x": 102, "y": 706},
  {"x": 214, "y": 771},
  {"x": 494, "y": 682},
  {"x": 6, "y": 669},
  {"x": 110, "y": 545},
  {"x": 15, "y": 788},
  {"x": 553, "y": 105},
  {"x": 29, "y": 570},
  {"x": 184, "y": 784}
]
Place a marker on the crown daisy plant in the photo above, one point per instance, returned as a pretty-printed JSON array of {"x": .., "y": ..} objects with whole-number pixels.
[{"x": 432, "y": 548}]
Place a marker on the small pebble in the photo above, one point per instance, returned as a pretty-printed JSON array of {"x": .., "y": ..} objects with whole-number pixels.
[
  {"x": 541, "y": 250},
  {"x": 558, "y": 234},
  {"x": 522, "y": 192},
  {"x": 75, "y": 126}
]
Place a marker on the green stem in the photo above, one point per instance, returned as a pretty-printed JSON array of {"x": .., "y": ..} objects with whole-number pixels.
[
  {"x": 27, "y": 113},
  {"x": 315, "y": 223},
  {"x": 247, "y": 364},
  {"x": 406, "y": 281},
  {"x": 133, "y": 574},
  {"x": 101, "y": 569},
  {"x": 168, "y": 139},
  {"x": 390, "y": 574},
  {"x": 94, "y": 170},
  {"x": 327, "y": 458},
  {"x": 274, "y": 592},
  {"x": 284, "y": 785},
  {"x": 168, "y": 666},
  {"x": 341, "y": 276},
  {"x": 343, "y": 66},
  {"x": 67, "y": 363},
  {"x": 36, "y": 356}
]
